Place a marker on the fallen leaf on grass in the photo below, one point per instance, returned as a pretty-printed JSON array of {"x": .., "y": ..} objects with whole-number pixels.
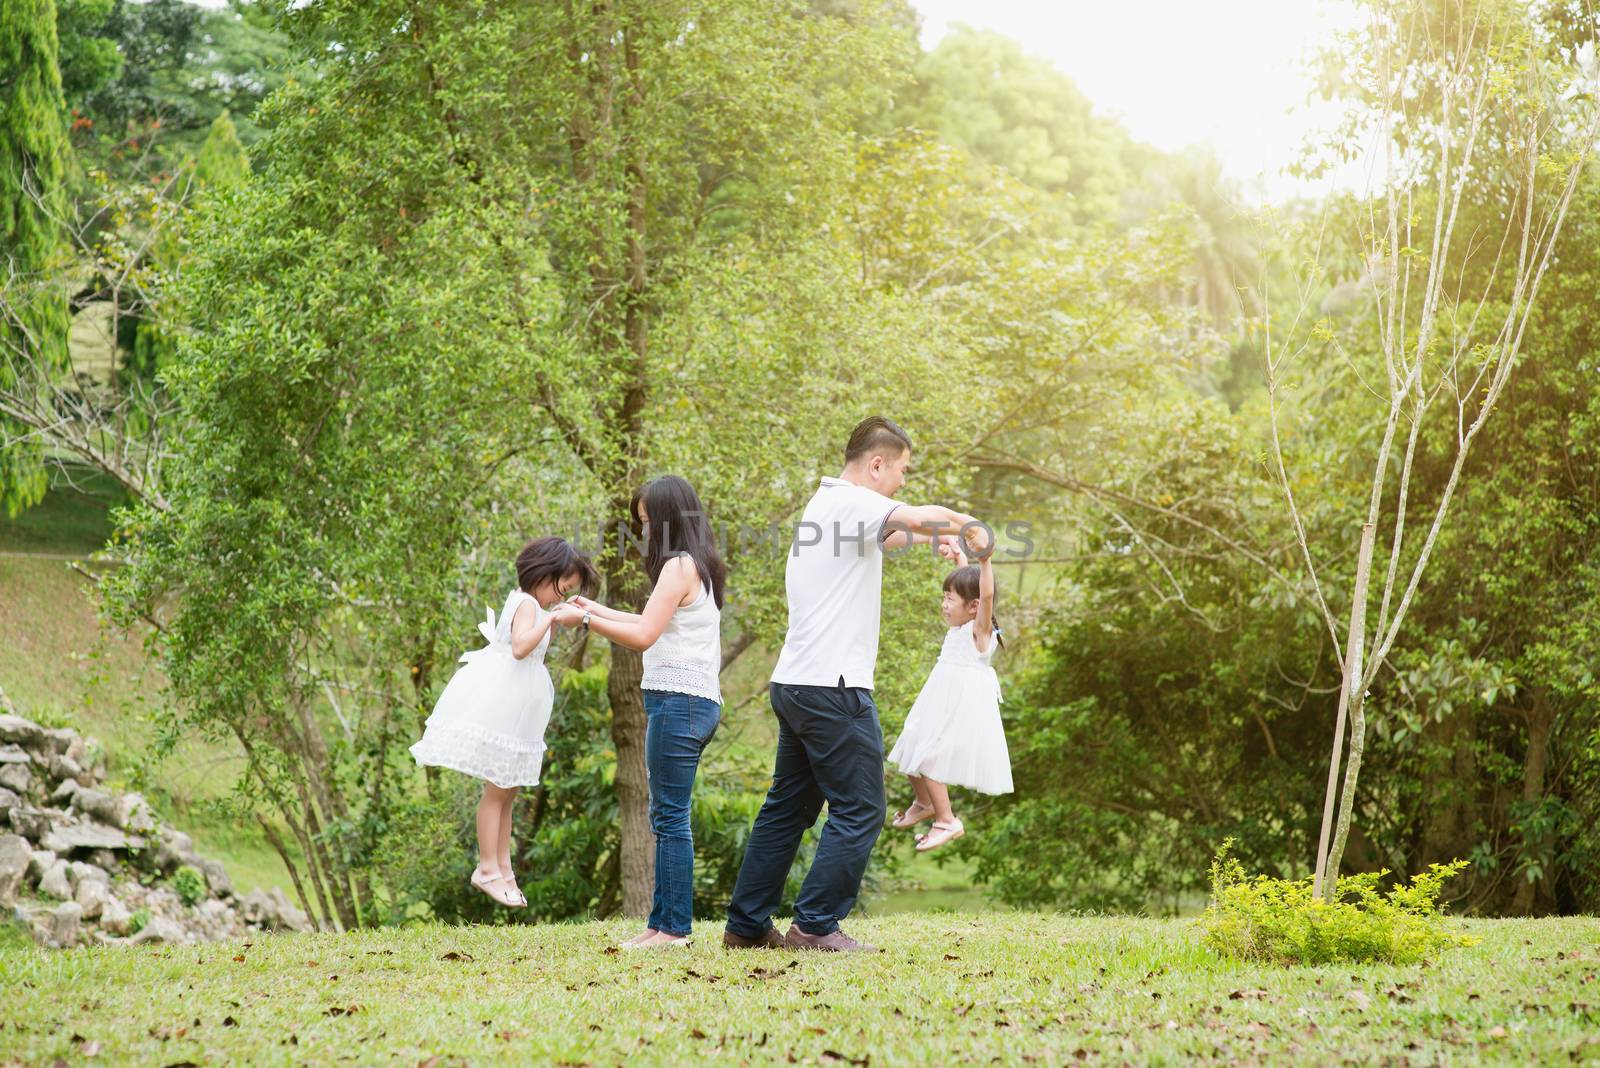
[
  {"x": 1254, "y": 995},
  {"x": 456, "y": 955},
  {"x": 835, "y": 1055}
]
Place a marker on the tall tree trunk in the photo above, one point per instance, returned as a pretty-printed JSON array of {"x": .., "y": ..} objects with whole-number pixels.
[
  {"x": 1355, "y": 697},
  {"x": 632, "y": 781},
  {"x": 1540, "y": 720}
]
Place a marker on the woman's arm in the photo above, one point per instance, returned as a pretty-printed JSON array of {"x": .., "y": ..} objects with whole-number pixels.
[
  {"x": 983, "y": 626},
  {"x": 528, "y": 626},
  {"x": 677, "y": 579},
  {"x": 598, "y": 610}
]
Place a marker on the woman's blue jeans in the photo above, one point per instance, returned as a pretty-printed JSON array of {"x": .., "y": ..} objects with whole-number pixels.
[{"x": 678, "y": 726}]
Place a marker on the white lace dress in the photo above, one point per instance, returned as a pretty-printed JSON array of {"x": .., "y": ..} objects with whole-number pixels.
[
  {"x": 953, "y": 733},
  {"x": 490, "y": 721}
]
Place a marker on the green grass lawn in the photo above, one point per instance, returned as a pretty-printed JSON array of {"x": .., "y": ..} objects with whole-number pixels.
[{"x": 1011, "y": 988}]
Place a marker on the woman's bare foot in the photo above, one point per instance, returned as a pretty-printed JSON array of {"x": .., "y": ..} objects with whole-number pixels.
[
  {"x": 647, "y": 933},
  {"x": 661, "y": 940}
]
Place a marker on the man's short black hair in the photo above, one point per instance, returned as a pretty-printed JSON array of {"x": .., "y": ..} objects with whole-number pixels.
[{"x": 876, "y": 436}]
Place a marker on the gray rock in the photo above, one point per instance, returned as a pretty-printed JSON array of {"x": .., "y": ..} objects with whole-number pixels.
[
  {"x": 78, "y": 750},
  {"x": 103, "y": 858},
  {"x": 96, "y": 804},
  {"x": 62, "y": 795},
  {"x": 92, "y": 895},
  {"x": 54, "y": 842},
  {"x": 133, "y": 815},
  {"x": 16, "y": 777},
  {"x": 79, "y": 872},
  {"x": 8, "y": 801},
  {"x": 31, "y": 823},
  {"x": 115, "y": 917},
  {"x": 41, "y": 861},
  {"x": 13, "y": 754},
  {"x": 56, "y": 882},
  {"x": 92, "y": 836},
  {"x": 216, "y": 877},
  {"x": 272, "y": 911},
  {"x": 58, "y": 928},
  {"x": 64, "y": 767},
  {"x": 60, "y": 739},
  {"x": 174, "y": 848},
  {"x": 160, "y": 929},
  {"x": 15, "y": 856},
  {"x": 23, "y": 732}
]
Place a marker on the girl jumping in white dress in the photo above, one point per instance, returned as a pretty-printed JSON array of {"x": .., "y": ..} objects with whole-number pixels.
[
  {"x": 490, "y": 721},
  {"x": 952, "y": 735}
]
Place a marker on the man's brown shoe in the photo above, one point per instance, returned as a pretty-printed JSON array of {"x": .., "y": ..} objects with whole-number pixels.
[
  {"x": 770, "y": 939},
  {"x": 835, "y": 942}
]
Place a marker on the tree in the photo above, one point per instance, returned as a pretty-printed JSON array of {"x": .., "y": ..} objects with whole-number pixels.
[
  {"x": 1462, "y": 98},
  {"x": 979, "y": 92},
  {"x": 374, "y": 432},
  {"x": 222, "y": 163},
  {"x": 33, "y": 161}
]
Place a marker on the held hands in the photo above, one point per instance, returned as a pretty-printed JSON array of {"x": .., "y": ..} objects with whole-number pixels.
[
  {"x": 950, "y": 549},
  {"x": 980, "y": 542},
  {"x": 568, "y": 614}
]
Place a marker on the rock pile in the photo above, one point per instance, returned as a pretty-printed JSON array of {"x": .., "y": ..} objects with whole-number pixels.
[{"x": 80, "y": 864}]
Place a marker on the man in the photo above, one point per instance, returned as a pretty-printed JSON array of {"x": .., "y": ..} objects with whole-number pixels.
[{"x": 830, "y": 747}]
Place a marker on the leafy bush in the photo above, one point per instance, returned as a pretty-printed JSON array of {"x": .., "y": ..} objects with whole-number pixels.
[
  {"x": 189, "y": 883},
  {"x": 1280, "y": 920},
  {"x": 139, "y": 920}
]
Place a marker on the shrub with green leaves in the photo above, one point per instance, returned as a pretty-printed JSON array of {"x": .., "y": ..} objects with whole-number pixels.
[
  {"x": 139, "y": 920},
  {"x": 189, "y": 883},
  {"x": 1282, "y": 921}
]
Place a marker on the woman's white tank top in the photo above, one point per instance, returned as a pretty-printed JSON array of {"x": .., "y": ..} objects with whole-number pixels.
[{"x": 687, "y": 658}]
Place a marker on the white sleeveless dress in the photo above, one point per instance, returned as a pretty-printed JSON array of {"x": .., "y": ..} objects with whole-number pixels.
[
  {"x": 953, "y": 733},
  {"x": 490, "y": 721}
]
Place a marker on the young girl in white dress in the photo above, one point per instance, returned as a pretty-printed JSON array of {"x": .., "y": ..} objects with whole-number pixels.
[
  {"x": 952, "y": 735},
  {"x": 490, "y": 721}
]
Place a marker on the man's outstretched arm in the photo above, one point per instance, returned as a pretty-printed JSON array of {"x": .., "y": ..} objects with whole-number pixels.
[{"x": 921, "y": 523}]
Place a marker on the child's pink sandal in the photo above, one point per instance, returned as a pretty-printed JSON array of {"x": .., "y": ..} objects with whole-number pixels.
[
  {"x": 486, "y": 883},
  {"x": 940, "y": 834},
  {"x": 913, "y": 814}
]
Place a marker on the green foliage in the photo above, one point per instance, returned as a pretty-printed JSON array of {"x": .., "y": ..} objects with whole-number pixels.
[
  {"x": 89, "y": 58},
  {"x": 1280, "y": 921},
  {"x": 189, "y": 883},
  {"x": 33, "y": 164},
  {"x": 222, "y": 163},
  {"x": 139, "y": 920}
]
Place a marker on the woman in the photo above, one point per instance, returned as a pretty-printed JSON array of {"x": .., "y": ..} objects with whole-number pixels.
[{"x": 680, "y": 635}]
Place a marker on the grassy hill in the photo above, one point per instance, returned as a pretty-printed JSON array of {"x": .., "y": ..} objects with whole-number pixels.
[
  {"x": 950, "y": 988},
  {"x": 61, "y": 665}
]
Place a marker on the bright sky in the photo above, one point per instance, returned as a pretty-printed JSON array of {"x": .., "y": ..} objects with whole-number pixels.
[{"x": 1178, "y": 72}]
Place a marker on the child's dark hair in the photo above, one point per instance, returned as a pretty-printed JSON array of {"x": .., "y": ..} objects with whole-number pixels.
[
  {"x": 553, "y": 559},
  {"x": 678, "y": 524},
  {"x": 964, "y": 580}
]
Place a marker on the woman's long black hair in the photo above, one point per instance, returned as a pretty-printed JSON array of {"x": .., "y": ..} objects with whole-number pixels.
[{"x": 678, "y": 525}]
